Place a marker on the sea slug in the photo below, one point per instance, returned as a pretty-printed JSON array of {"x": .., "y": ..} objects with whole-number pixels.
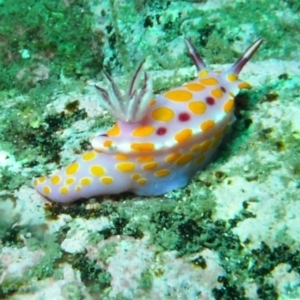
[{"x": 158, "y": 143}]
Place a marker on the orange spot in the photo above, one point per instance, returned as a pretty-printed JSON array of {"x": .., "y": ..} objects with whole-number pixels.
[
  {"x": 64, "y": 190},
  {"x": 162, "y": 114},
  {"x": 72, "y": 168},
  {"x": 215, "y": 142},
  {"x": 244, "y": 85},
  {"x": 185, "y": 158},
  {"x": 197, "y": 107},
  {"x": 70, "y": 181},
  {"x": 125, "y": 166},
  {"x": 232, "y": 77},
  {"x": 207, "y": 125},
  {"x": 203, "y": 73},
  {"x": 228, "y": 106},
  {"x": 179, "y": 95},
  {"x": 200, "y": 159},
  {"x": 152, "y": 102},
  {"x": 142, "y": 181},
  {"x": 204, "y": 146},
  {"x": 172, "y": 157},
  {"x": 136, "y": 176},
  {"x": 85, "y": 181},
  {"x": 150, "y": 166},
  {"x": 88, "y": 155},
  {"x": 47, "y": 190},
  {"x": 144, "y": 158},
  {"x": 114, "y": 131},
  {"x": 217, "y": 93},
  {"x": 107, "y": 180},
  {"x": 218, "y": 134},
  {"x": 209, "y": 81},
  {"x": 194, "y": 86},
  {"x": 107, "y": 143},
  {"x": 97, "y": 170},
  {"x": 162, "y": 173},
  {"x": 140, "y": 147},
  {"x": 55, "y": 179},
  {"x": 121, "y": 157},
  {"x": 183, "y": 136},
  {"x": 143, "y": 131}
]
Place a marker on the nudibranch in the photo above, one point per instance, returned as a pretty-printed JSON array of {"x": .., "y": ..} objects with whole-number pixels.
[{"x": 158, "y": 143}]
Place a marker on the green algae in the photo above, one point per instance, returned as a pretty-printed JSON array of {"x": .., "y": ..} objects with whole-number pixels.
[
  {"x": 94, "y": 278},
  {"x": 72, "y": 291},
  {"x": 108, "y": 250},
  {"x": 145, "y": 281},
  {"x": 47, "y": 265},
  {"x": 186, "y": 226},
  {"x": 53, "y": 33}
]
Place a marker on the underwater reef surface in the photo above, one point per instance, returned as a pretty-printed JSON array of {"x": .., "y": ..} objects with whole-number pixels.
[{"x": 232, "y": 233}]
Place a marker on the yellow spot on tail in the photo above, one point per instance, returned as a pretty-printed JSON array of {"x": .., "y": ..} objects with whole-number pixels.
[
  {"x": 55, "y": 179},
  {"x": 217, "y": 93},
  {"x": 140, "y": 147},
  {"x": 179, "y": 95},
  {"x": 107, "y": 143},
  {"x": 70, "y": 181},
  {"x": 47, "y": 190},
  {"x": 209, "y": 81},
  {"x": 136, "y": 176},
  {"x": 207, "y": 125},
  {"x": 97, "y": 170},
  {"x": 203, "y": 73},
  {"x": 232, "y": 77},
  {"x": 90, "y": 155},
  {"x": 150, "y": 166},
  {"x": 197, "y": 107},
  {"x": 162, "y": 114},
  {"x": 183, "y": 136},
  {"x": 162, "y": 173},
  {"x": 106, "y": 180},
  {"x": 85, "y": 181},
  {"x": 121, "y": 157},
  {"x": 228, "y": 106},
  {"x": 142, "y": 181},
  {"x": 64, "y": 190},
  {"x": 172, "y": 157},
  {"x": 143, "y": 131},
  {"x": 194, "y": 87},
  {"x": 125, "y": 166},
  {"x": 72, "y": 168},
  {"x": 144, "y": 158},
  {"x": 185, "y": 158},
  {"x": 41, "y": 179},
  {"x": 114, "y": 131}
]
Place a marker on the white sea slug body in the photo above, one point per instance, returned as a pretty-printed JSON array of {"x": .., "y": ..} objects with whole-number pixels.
[{"x": 157, "y": 144}]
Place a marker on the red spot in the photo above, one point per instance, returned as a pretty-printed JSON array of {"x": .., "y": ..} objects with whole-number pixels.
[
  {"x": 210, "y": 100},
  {"x": 184, "y": 116},
  {"x": 161, "y": 130}
]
